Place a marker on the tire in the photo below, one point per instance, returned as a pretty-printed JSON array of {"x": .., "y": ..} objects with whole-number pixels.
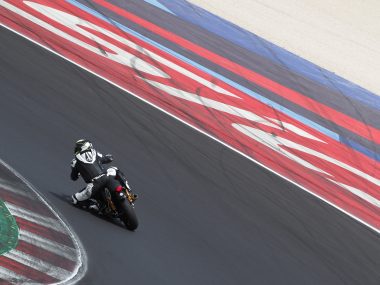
[{"x": 129, "y": 217}]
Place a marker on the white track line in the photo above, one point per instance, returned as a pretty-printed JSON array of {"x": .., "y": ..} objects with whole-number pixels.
[
  {"x": 5, "y": 185},
  {"x": 35, "y": 218},
  {"x": 13, "y": 277},
  {"x": 54, "y": 247},
  {"x": 38, "y": 264},
  {"x": 197, "y": 129}
]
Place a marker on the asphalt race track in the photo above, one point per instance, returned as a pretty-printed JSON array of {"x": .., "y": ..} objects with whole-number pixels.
[{"x": 207, "y": 215}]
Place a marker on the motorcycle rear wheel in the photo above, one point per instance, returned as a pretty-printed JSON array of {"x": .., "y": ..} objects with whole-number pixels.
[{"x": 129, "y": 217}]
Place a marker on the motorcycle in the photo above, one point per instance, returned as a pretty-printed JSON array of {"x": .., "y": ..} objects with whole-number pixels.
[{"x": 116, "y": 201}]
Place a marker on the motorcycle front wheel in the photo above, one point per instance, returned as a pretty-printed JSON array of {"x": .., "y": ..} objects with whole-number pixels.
[{"x": 129, "y": 217}]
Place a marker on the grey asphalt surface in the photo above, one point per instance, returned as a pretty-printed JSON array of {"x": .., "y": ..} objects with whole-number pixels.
[{"x": 207, "y": 215}]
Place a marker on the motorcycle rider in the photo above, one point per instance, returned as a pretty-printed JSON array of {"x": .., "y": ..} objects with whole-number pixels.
[{"x": 88, "y": 163}]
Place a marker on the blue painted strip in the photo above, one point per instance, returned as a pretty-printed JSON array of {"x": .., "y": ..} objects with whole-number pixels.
[
  {"x": 245, "y": 90},
  {"x": 159, "y": 5},
  {"x": 360, "y": 148},
  {"x": 260, "y": 46}
]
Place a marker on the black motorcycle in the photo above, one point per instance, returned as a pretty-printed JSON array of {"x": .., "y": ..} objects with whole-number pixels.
[{"x": 116, "y": 201}]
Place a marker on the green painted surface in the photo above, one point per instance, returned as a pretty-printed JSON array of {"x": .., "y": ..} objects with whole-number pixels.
[{"x": 8, "y": 230}]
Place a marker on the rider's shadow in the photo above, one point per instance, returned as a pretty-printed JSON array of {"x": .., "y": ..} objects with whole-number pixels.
[{"x": 67, "y": 199}]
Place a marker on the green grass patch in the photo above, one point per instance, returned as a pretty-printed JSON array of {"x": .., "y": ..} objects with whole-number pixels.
[{"x": 8, "y": 230}]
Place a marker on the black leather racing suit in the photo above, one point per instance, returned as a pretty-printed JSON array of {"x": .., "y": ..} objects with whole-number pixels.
[{"x": 89, "y": 165}]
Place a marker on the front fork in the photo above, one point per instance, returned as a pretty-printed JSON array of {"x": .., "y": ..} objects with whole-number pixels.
[
  {"x": 111, "y": 208},
  {"x": 110, "y": 204},
  {"x": 130, "y": 197}
]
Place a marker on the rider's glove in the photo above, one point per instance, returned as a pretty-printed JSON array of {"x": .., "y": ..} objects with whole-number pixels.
[{"x": 109, "y": 157}]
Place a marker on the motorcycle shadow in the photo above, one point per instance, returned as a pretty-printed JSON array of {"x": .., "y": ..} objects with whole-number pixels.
[
  {"x": 67, "y": 199},
  {"x": 111, "y": 220}
]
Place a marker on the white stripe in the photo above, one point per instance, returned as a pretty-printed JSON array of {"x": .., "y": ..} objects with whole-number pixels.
[
  {"x": 35, "y": 218},
  {"x": 276, "y": 143},
  {"x": 75, "y": 23},
  {"x": 268, "y": 139},
  {"x": 54, "y": 247},
  {"x": 118, "y": 55},
  {"x": 294, "y": 129},
  {"x": 38, "y": 264},
  {"x": 13, "y": 277},
  {"x": 78, "y": 255},
  {"x": 13, "y": 187},
  {"x": 366, "y": 197},
  {"x": 195, "y": 98}
]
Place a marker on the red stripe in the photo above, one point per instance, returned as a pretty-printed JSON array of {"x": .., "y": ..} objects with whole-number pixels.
[
  {"x": 26, "y": 203},
  {"x": 26, "y": 271},
  {"x": 45, "y": 255},
  {"x": 5, "y": 282},
  {"x": 328, "y": 113},
  {"x": 44, "y": 232}
]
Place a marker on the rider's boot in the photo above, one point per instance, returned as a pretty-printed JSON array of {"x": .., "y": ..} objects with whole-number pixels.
[
  {"x": 74, "y": 200},
  {"x": 90, "y": 204},
  {"x": 93, "y": 206}
]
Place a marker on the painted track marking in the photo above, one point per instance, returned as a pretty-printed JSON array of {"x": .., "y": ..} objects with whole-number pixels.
[
  {"x": 319, "y": 195},
  {"x": 39, "y": 258}
]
